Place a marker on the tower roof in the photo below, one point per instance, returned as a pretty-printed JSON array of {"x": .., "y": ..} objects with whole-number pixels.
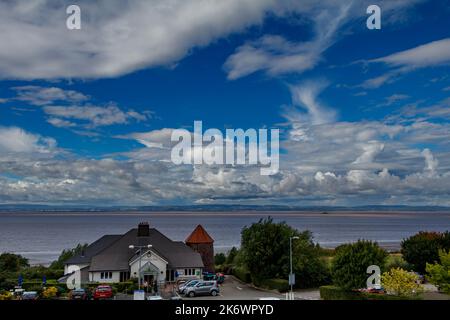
[{"x": 199, "y": 235}]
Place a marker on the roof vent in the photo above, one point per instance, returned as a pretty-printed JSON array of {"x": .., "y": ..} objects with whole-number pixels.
[{"x": 143, "y": 229}]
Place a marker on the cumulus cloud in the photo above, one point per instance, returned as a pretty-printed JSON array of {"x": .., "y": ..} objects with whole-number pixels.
[{"x": 16, "y": 140}]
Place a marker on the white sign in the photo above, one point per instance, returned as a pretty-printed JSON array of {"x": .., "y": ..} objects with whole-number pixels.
[{"x": 139, "y": 295}]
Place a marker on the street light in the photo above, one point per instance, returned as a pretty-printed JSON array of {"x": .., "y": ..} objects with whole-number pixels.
[
  {"x": 131, "y": 246},
  {"x": 291, "y": 274}
]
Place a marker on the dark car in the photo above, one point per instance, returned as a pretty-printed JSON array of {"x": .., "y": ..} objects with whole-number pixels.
[
  {"x": 103, "y": 292},
  {"x": 78, "y": 294}
]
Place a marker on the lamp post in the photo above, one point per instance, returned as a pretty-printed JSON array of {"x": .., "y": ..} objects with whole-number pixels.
[
  {"x": 291, "y": 274},
  {"x": 140, "y": 258}
]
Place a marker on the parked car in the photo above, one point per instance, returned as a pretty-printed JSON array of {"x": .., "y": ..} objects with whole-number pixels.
[
  {"x": 30, "y": 295},
  {"x": 78, "y": 294},
  {"x": 203, "y": 288},
  {"x": 155, "y": 297},
  {"x": 220, "y": 278},
  {"x": 103, "y": 292},
  {"x": 190, "y": 283}
]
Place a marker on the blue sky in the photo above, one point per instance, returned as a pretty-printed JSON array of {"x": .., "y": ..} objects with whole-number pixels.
[{"x": 364, "y": 114}]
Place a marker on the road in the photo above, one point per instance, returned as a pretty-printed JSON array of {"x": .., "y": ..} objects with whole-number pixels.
[{"x": 233, "y": 289}]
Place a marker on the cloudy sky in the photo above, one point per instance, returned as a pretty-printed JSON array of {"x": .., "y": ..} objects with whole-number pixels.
[{"x": 86, "y": 115}]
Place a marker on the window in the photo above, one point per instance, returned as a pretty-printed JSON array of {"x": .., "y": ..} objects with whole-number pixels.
[{"x": 105, "y": 275}]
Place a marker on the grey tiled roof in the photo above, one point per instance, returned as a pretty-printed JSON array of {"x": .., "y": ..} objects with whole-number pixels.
[
  {"x": 93, "y": 249},
  {"x": 116, "y": 256}
]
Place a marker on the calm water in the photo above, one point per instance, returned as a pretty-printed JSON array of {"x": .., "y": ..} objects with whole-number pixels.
[{"x": 42, "y": 236}]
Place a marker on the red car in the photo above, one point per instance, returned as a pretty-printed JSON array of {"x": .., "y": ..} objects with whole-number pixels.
[{"x": 103, "y": 292}]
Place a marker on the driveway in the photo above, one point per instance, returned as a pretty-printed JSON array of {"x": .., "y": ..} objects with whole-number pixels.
[{"x": 234, "y": 289}]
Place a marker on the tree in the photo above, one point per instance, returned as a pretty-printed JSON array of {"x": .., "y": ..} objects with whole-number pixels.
[
  {"x": 219, "y": 259},
  {"x": 351, "y": 261},
  {"x": 439, "y": 274},
  {"x": 265, "y": 253},
  {"x": 423, "y": 248},
  {"x": 67, "y": 254},
  {"x": 10, "y": 262},
  {"x": 401, "y": 282},
  {"x": 231, "y": 255}
]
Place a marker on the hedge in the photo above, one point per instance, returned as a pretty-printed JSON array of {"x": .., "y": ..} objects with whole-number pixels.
[
  {"x": 242, "y": 274},
  {"x": 336, "y": 293},
  {"x": 282, "y": 285}
]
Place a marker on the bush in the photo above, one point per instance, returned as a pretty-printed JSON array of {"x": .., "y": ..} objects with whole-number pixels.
[
  {"x": 351, "y": 261},
  {"x": 396, "y": 261},
  {"x": 49, "y": 293},
  {"x": 423, "y": 248},
  {"x": 6, "y": 296},
  {"x": 282, "y": 285},
  {"x": 401, "y": 283},
  {"x": 242, "y": 274},
  {"x": 337, "y": 293},
  {"x": 439, "y": 274}
]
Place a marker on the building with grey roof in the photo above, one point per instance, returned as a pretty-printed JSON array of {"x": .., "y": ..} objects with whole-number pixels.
[{"x": 153, "y": 256}]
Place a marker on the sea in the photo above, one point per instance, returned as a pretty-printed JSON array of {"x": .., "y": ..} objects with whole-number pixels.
[{"x": 41, "y": 236}]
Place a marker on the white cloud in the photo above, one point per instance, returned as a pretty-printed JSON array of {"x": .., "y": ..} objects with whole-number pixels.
[
  {"x": 436, "y": 53},
  {"x": 17, "y": 140},
  {"x": 92, "y": 116},
  {"x": 306, "y": 109},
  {"x": 117, "y": 37},
  {"x": 40, "y": 96},
  {"x": 426, "y": 55},
  {"x": 275, "y": 55}
]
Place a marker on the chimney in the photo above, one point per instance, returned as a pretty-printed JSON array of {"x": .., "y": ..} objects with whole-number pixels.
[{"x": 143, "y": 229}]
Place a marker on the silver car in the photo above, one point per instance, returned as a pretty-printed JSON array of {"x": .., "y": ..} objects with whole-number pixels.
[
  {"x": 190, "y": 283},
  {"x": 203, "y": 288}
]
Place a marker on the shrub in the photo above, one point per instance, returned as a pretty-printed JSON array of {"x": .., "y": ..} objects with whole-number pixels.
[
  {"x": 282, "y": 285},
  {"x": 337, "y": 293},
  {"x": 6, "y": 296},
  {"x": 401, "y": 283},
  {"x": 242, "y": 274},
  {"x": 439, "y": 274},
  {"x": 423, "y": 248},
  {"x": 396, "y": 261},
  {"x": 351, "y": 261},
  {"x": 49, "y": 293}
]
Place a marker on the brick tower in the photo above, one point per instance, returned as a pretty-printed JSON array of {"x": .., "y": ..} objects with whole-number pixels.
[{"x": 201, "y": 241}]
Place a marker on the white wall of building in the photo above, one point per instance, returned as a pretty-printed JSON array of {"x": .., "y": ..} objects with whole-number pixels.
[
  {"x": 96, "y": 277},
  {"x": 153, "y": 258}
]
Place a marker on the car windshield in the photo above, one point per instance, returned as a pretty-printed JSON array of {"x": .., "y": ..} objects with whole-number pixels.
[{"x": 102, "y": 289}]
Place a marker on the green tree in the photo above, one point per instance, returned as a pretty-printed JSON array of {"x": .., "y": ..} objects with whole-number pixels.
[
  {"x": 231, "y": 255},
  {"x": 219, "y": 259},
  {"x": 439, "y": 274},
  {"x": 10, "y": 262},
  {"x": 401, "y": 282},
  {"x": 265, "y": 253},
  {"x": 351, "y": 261},
  {"x": 67, "y": 254},
  {"x": 423, "y": 248}
]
